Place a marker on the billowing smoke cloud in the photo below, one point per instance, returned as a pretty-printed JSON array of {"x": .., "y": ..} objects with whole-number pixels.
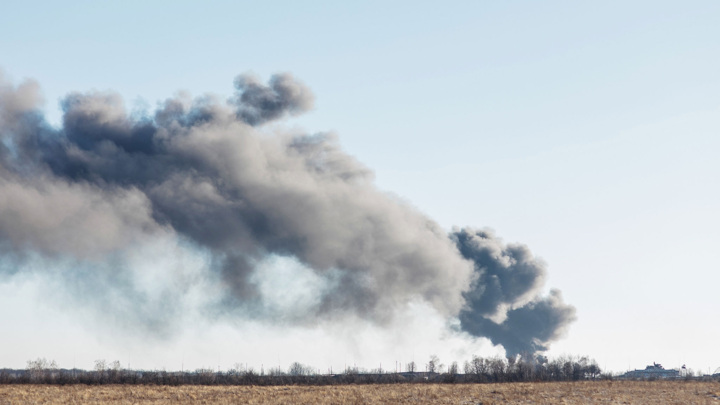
[
  {"x": 210, "y": 173},
  {"x": 257, "y": 104},
  {"x": 504, "y": 303}
]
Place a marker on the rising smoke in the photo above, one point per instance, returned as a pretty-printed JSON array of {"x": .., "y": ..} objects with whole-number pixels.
[{"x": 210, "y": 173}]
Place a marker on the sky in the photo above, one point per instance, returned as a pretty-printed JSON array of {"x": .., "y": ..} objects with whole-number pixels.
[{"x": 586, "y": 131}]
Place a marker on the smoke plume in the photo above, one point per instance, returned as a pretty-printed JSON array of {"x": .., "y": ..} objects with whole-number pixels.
[{"x": 211, "y": 174}]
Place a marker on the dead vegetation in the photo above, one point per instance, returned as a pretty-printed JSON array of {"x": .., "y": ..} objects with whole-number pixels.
[{"x": 586, "y": 392}]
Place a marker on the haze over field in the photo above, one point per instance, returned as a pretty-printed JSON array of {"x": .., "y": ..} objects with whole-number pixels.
[{"x": 383, "y": 187}]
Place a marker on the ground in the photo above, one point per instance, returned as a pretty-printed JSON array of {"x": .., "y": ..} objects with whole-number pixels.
[{"x": 598, "y": 392}]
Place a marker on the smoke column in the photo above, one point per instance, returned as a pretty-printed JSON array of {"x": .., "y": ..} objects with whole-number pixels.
[{"x": 212, "y": 174}]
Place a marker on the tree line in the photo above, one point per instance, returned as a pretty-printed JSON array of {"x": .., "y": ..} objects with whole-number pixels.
[{"x": 476, "y": 370}]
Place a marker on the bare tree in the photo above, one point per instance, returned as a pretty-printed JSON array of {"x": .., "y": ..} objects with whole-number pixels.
[
  {"x": 113, "y": 370},
  {"x": 433, "y": 364},
  {"x": 410, "y": 367},
  {"x": 297, "y": 369},
  {"x": 237, "y": 369},
  {"x": 479, "y": 365},
  {"x": 41, "y": 368},
  {"x": 351, "y": 370},
  {"x": 275, "y": 372},
  {"x": 100, "y": 365},
  {"x": 497, "y": 367}
]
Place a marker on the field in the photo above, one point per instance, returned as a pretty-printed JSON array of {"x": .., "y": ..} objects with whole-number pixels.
[{"x": 605, "y": 392}]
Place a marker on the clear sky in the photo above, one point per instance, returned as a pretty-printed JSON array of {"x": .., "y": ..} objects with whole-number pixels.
[{"x": 587, "y": 130}]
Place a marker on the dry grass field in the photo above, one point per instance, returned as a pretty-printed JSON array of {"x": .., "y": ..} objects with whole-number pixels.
[{"x": 605, "y": 392}]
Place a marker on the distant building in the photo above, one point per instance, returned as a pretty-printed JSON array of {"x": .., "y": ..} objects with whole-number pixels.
[{"x": 655, "y": 371}]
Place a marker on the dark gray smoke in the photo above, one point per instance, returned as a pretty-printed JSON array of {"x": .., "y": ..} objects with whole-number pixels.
[
  {"x": 207, "y": 172},
  {"x": 525, "y": 330},
  {"x": 257, "y": 104},
  {"x": 504, "y": 303}
]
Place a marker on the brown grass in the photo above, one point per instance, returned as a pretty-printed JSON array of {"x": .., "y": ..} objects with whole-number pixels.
[{"x": 605, "y": 392}]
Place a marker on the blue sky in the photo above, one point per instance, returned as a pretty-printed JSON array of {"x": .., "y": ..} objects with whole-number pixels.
[{"x": 588, "y": 131}]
